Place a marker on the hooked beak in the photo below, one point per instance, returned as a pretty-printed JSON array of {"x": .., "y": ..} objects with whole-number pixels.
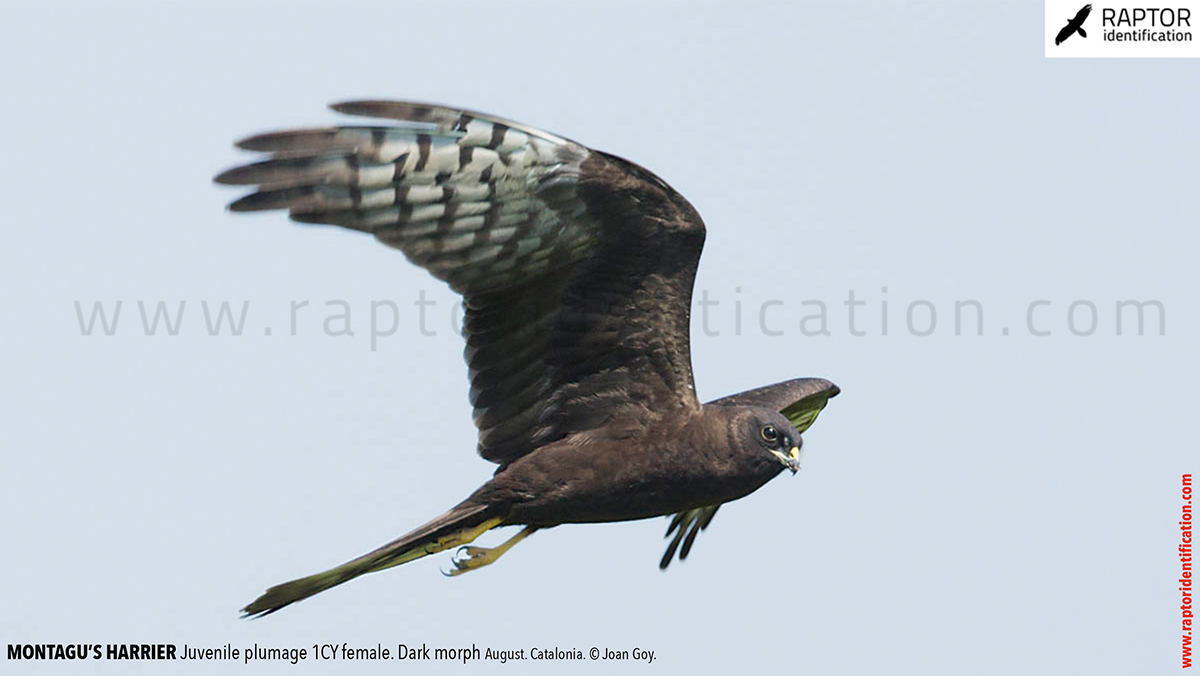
[{"x": 791, "y": 459}]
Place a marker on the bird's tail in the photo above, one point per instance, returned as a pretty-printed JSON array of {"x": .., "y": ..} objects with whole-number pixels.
[
  {"x": 1082, "y": 33},
  {"x": 456, "y": 527}
]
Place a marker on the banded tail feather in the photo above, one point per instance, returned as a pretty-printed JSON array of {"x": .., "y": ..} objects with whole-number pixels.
[{"x": 457, "y": 527}]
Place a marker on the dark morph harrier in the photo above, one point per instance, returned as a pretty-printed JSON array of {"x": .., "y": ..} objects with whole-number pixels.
[
  {"x": 1074, "y": 25},
  {"x": 576, "y": 271}
]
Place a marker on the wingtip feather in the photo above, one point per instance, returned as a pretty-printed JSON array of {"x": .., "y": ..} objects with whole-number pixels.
[
  {"x": 229, "y": 176},
  {"x": 393, "y": 110}
]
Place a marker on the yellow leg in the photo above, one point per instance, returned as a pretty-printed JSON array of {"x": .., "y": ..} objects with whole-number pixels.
[
  {"x": 446, "y": 542},
  {"x": 471, "y": 558}
]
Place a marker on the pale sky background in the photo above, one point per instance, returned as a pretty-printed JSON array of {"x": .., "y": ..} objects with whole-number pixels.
[{"x": 970, "y": 504}]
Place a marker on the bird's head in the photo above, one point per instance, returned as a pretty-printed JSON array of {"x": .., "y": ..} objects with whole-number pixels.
[{"x": 771, "y": 439}]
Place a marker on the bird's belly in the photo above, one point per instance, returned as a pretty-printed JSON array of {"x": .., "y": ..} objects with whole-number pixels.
[{"x": 641, "y": 498}]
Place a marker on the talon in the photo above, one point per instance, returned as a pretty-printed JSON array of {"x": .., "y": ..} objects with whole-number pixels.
[
  {"x": 467, "y": 558},
  {"x": 461, "y": 556}
]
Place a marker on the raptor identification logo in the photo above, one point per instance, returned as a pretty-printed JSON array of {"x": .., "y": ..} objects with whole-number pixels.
[{"x": 1122, "y": 29}]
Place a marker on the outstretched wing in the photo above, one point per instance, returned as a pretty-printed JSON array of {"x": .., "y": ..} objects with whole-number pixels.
[
  {"x": 1082, "y": 15},
  {"x": 801, "y": 400},
  {"x": 575, "y": 266}
]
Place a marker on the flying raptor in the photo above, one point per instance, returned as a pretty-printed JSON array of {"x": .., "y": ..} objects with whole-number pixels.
[
  {"x": 576, "y": 270},
  {"x": 1074, "y": 25}
]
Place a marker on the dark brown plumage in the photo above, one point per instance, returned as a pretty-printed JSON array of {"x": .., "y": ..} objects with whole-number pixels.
[{"x": 576, "y": 269}]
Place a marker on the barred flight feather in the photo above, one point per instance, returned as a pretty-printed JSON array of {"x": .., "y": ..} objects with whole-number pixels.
[
  {"x": 537, "y": 244},
  {"x": 474, "y": 201}
]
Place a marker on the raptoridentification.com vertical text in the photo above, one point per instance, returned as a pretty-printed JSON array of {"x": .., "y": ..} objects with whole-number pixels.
[{"x": 1185, "y": 565}]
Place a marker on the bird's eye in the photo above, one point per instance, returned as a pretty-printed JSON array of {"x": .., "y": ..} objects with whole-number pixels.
[{"x": 770, "y": 434}]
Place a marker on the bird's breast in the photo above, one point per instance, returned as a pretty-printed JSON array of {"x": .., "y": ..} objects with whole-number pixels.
[{"x": 590, "y": 488}]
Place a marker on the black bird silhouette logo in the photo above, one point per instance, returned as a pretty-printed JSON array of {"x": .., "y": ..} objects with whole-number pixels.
[{"x": 1074, "y": 25}]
